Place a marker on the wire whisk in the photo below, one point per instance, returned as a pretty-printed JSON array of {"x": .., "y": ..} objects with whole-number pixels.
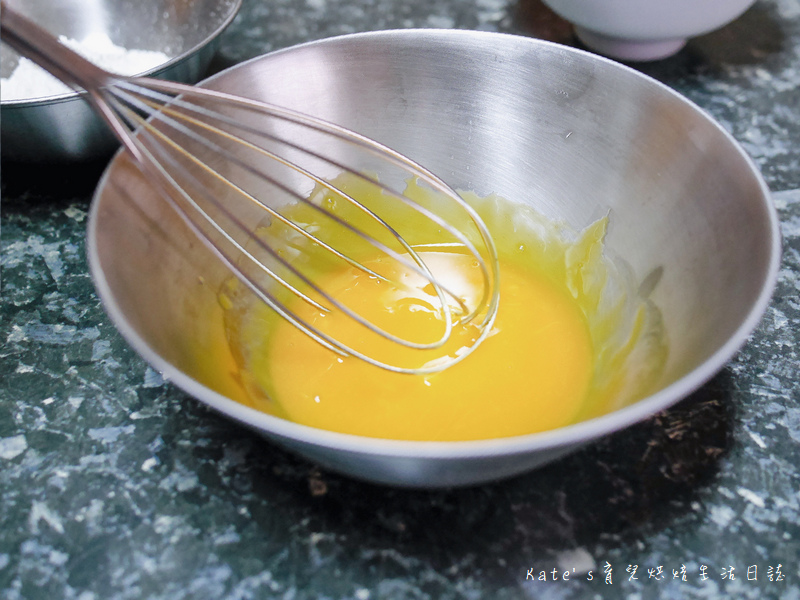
[{"x": 236, "y": 170}]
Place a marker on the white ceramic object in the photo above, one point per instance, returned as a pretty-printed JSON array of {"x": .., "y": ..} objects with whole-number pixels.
[{"x": 642, "y": 30}]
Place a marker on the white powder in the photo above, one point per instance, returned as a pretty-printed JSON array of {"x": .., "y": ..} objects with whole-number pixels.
[{"x": 29, "y": 81}]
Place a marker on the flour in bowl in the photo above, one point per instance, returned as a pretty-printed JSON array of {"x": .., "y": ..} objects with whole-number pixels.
[{"x": 29, "y": 81}]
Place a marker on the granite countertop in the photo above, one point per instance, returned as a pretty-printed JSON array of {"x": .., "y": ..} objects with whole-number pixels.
[{"x": 114, "y": 484}]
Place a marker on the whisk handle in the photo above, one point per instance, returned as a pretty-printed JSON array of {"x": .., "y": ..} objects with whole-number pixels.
[{"x": 39, "y": 45}]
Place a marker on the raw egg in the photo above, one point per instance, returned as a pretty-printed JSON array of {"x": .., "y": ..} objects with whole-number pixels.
[{"x": 543, "y": 365}]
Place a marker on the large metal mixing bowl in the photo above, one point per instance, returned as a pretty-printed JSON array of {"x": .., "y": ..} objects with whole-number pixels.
[
  {"x": 572, "y": 134},
  {"x": 64, "y": 127}
]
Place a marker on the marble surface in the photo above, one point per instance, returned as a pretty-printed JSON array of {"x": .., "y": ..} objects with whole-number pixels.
[{"x": 113, "y": 484}]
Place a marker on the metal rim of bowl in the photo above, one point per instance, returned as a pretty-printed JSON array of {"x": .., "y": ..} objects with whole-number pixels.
[
  {"x": 570, "y": 435},
  {"x": 68, "y": 96}
]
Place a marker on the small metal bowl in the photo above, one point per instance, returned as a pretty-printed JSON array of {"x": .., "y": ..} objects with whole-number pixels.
[
  {"x": 570, "y": 133},
  {"x": 64, "y": 127}
]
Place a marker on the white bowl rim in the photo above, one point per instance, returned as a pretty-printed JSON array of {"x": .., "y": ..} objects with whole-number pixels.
[{"x": 570, "y": 435}]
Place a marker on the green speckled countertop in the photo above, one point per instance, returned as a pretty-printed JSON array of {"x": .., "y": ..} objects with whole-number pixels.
[{"x": 113, "y": 484}]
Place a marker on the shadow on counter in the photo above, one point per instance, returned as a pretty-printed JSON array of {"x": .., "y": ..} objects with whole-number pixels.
[
  {"x": 22, "y": 181},
  {"x": 613, "y": 493}
]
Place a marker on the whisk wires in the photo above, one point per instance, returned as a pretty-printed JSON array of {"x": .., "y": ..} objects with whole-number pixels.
[
  {"x": 162, "y": 110},
  {"x": 236, "y": 170}
]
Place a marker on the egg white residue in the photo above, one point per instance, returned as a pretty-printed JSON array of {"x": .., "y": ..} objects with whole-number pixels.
[{"x": 29, "y": 81}]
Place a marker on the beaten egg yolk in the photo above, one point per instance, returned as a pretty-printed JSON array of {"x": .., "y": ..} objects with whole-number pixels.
[{"x": 532, "y": 373}]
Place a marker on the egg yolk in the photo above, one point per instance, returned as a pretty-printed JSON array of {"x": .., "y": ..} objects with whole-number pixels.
[{"x": 532, "y": 373}]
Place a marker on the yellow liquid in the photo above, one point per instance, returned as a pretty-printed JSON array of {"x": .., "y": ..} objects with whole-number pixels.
[
  {"x": 531, "y": 374},
  {"x": 563, "y": 348}
]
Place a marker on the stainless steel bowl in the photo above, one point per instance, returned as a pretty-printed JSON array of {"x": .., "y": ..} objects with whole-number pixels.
[
  {"x": 571, "y": 133},
  {"x": 63, "y": 127}
]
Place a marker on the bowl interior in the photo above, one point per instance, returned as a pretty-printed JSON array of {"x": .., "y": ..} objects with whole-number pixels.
[{"x": 571, "y": 134}]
